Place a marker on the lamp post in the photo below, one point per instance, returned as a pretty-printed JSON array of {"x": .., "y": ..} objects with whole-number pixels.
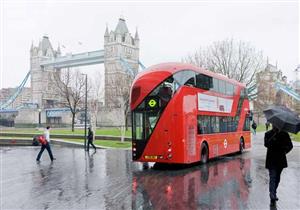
[
  {"x": 40, "y": 110},
  {"x": 85, "y": 111}
]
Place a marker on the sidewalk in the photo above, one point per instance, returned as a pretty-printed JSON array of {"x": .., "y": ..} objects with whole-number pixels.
[{"x": 18, "y": 141}]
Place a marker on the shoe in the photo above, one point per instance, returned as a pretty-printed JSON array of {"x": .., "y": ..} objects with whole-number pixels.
[
  {"x": 276, "y": 199},
  {"x": 53, "y": 159},
  {"x": 273, "y": 203},
  {"x": 38, "y": 161}
]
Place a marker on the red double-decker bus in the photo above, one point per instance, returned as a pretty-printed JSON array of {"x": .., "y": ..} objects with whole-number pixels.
[{"x": 185, "y": 114}]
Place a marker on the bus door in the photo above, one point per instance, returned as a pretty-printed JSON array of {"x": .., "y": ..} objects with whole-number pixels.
[{"x": 190, "y": 127}]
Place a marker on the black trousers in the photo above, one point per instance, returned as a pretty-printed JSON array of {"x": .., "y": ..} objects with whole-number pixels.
[
  {"x": 90, "y": 142},
  {"x": 274, "y": 175},
  {"x": 48, "y": 148}
]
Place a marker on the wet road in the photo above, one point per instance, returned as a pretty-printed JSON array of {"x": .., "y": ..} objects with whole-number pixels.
[{"x": 108, "y": 179}]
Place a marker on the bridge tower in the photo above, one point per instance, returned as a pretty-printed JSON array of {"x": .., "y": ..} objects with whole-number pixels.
[
  {"x": 119, "y": 44},
  {"x": 42, "y": 84}
]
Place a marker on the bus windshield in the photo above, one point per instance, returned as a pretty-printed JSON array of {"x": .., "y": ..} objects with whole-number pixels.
[
  {"x": 146, "y": 115},
  {"x": 148, "y": 112}
]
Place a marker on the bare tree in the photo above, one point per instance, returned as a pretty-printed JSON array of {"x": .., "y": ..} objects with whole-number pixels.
[
  {"x": 235, "y": 59},
  {"x": 96, "y": 97},
  {"x": 71, "y": 86},
  {"x": 119, "y": 98}
]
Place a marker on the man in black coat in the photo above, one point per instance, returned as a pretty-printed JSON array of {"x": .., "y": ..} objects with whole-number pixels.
[
  {"x": 90, "y": 138},
  {"x": 278, "y": 144}
]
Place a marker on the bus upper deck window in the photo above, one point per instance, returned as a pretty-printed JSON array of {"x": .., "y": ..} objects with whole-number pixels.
[
  {"x": 204, "y": 82},
  {"x": 185, "y": 77},
  {"x": 229, "y": 89}
]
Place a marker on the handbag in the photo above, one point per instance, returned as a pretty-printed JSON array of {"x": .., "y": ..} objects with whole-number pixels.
[{"x": 42, "y": 140}]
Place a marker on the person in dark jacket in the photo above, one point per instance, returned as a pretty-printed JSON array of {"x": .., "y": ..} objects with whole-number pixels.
[
  {"x": 90, "y": 138},
  {"x": 278, "y": 144},
  {"x": 254, "y": 126}
]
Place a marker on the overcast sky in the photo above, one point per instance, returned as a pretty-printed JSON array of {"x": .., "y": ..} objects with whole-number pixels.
[{"x": 168, "y": 31}]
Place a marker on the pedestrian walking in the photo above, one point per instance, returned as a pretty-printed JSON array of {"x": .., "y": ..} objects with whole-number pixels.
[
  {"x": 278, "y": 144},
  {"x": 46, "y": 145},
  {"x": 254, "y": 126},
  {"x": 90, "y": 138}
]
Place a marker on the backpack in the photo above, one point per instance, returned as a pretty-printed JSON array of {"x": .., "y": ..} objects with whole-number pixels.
[
  {"x": 42, "y": 140},
  {"x": 35, "y": 141}
]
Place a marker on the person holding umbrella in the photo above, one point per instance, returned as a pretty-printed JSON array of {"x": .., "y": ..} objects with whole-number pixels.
[{"x": 278, "y": 144}]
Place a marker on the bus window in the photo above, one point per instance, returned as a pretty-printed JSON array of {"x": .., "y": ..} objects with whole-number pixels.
[
  {"x": 223, "y": 124},
  {"x": 236, "y": 122},
  {"x": 199, "y": 125},
  {"x": 150, "y": 122},
  {"x": 222, "y": 88},
  {"x": 229, "y": 89},
  {"x": 217, "y": 126},
  {"x": 204, "y": 82},
  {"x": 165, "y": 94},
  {"x": 138, "y": 125},
  {"x": 185, "y": 77},
  {"x": 214, "y": 123},
  {"x": 204, "y": 125},
  {"x": 229, "y": 124},
  {"x": 215, "y": 85},
  {"x": 247, "y": 123}
]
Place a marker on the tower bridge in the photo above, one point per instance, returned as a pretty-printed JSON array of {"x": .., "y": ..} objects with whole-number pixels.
[
  {"x": 74, "y": 60},
  {"x": 120, "y": 57}
]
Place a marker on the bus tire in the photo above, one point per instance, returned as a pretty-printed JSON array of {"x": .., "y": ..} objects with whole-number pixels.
[
  {"x": 242, "y": 146},
  {"x": 204, "y": 153}
]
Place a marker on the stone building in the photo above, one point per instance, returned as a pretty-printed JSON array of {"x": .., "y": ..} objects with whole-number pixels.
[
  {"x": 267, "y": 93},
  {"x": 119, "y": 44},
  {"x": 121, "y": 61},
  {"x": 42, "y": 84}
]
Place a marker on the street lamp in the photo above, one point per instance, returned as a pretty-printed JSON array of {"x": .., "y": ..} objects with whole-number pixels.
[
  {"x": 40, "y": 110},
  {"x": 85, "y": 111}
]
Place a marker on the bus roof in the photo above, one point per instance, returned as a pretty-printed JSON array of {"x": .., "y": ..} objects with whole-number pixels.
[
  {"x": 173, "y": 67},
  {"x": 154, "y": 75}
]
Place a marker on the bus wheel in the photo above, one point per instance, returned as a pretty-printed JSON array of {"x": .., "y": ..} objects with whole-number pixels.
[
  {"x": 242, "y": 145},
  {"x": 204, "y": 153}
]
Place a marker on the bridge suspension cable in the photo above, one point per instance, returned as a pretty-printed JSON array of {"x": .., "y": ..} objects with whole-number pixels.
[
  {"x": 128, "y": 68},
  {"x": 287, "y": 90},
  {"x": 18, "y": 90}
]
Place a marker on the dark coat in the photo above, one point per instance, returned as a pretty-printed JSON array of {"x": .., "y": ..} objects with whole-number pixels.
[
  {"x": 278, "y": 144},
  {"x": 90, "y": 135}
]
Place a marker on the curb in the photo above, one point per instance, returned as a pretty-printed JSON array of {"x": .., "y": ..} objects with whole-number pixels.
[{"x": 59, "y": 142}]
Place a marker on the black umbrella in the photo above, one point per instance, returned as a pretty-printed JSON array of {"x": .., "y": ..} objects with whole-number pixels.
[{"x": 283, "y": 118}]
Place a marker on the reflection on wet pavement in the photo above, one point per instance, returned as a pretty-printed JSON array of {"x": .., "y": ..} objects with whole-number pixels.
[
  {"x": 108, "y": 179},
  {"x": 222, "y": 184}
]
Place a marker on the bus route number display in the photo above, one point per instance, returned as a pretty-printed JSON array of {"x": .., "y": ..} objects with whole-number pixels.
[{"x": 152, "y": 103}]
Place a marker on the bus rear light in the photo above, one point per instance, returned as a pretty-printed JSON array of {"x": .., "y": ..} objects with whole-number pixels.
[
  {"x": 169, "y": 143},
  {"x": 134, "y": 154},
  {"x": 134, "y": 149},
  {"x": 133, "y": 143},
  {"x": 169, "y": 189},
  {"x": 169, "y": 150},
  {"x": 160, "y": 157},
  {"x": 169, "y": 156}
]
